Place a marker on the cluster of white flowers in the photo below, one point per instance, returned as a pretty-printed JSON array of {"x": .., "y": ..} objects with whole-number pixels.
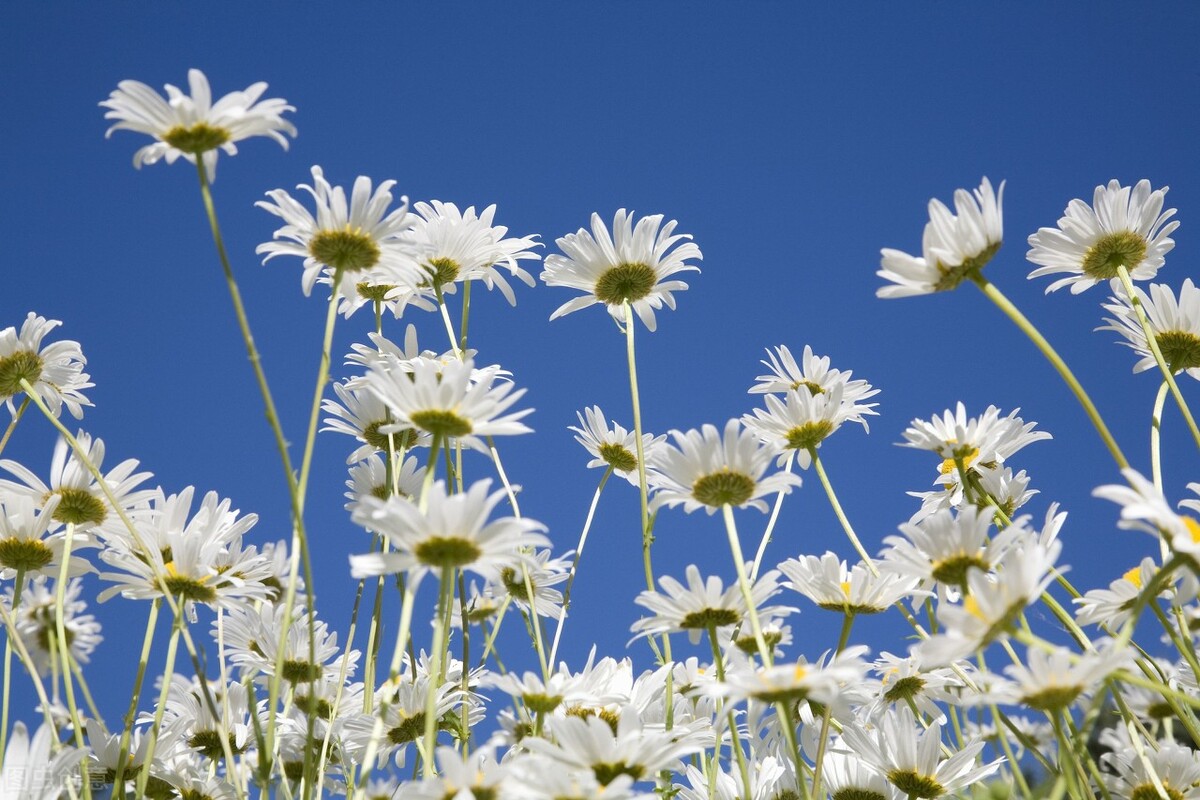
[{"x": 285, "y": 707}]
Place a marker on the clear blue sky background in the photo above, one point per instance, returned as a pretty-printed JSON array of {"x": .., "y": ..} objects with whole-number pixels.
[{"x": 792, "y": 140}]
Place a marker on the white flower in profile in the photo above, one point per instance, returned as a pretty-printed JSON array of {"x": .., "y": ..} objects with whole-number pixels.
[
  {"x": 544, "y": 573},
  {"x": 478, "y": 776},
  {"x": 1009, "y": 489},
  {"x": 707, "y": 469},
  {"x": 1111, "y": 607},
  {"x": 252, "y": 642},
  {"x": 1122, "y": 227},
  {"x": 452, "y": 400},
  {"x": 452, "y": 245},
  {"x": 615, "y": 448},
  {"x": 847, "y": 775},
  {"x": 361, "y": 414},
  {"x": 1144, "y": 508},
  {"x": 1175, "y": 766},
  {"x": 986, "y": 440},
  {"x": 28, "y": 544},
  {"x": 955, "y": 247},
  {"x": 1175, "y": 324},
  {"x": 628, "y": 266},
  {"x": 191, "y": 125},
  {"x": 342, "y": 238},
  {"x": 369, "y": 478},
  {"x": 1053, "y": 681},
  {"x": 705, "y": 604},
  {"x": 452, "y": 532},
  {"x": 799, "y": 423},
  {"x": 55, "y": 372},
  {"x": 836, "y": 680},
  {"x": 855, "y": 590},
  {"x": 32, "y": 772},
  {"x": 815, "y": 374},
  {"x": 944, "y": 547},
  {"x": 910, "y": 757}
]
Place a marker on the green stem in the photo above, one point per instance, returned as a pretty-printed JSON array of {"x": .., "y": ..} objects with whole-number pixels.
[
  {"x": 64, "y": 648},
  {"x": 12, "y": 426},
  {"x": 1156, "y": 438},
  {"x": 441, "y": 301},
  {"x": 826, "y": 718},
  {"x": 735, "y": 741},
  {"x": 161, "y": 706},
  {"x": 8, "y": 651},
  {"x": 1004, "y": 304},
  {"x": 136, "y": 695},
  {"x": 587, "y": 526},
  {"x": 766, "y": 537},
  {"x": 1152, "y": 342},
  {"x": 466, "y": 314},
  {"x": 841, "y": 515},
  {"x": 445, "y": 588},
  {"x": 739, "y": 563}
]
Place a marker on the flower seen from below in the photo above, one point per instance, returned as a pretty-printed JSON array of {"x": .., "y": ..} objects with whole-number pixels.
[
  {"x": 343, "y": 238},
  {"x": 1122, "y": 227},
  {"x": 954, "y": 247},
  {"x": 1175, "y": 323},
  {"x": 615, "y": 448},
  {"x": 193, "y": 125},
  {"x": 630, "y": 266},
  {"x": 707, "y": 469},
  {"x": 55, "y": 371}
]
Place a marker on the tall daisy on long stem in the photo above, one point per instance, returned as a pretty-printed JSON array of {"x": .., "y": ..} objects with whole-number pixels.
[{"x": 956, "y": 249}]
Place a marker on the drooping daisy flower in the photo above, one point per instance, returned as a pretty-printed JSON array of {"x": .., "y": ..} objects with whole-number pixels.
[
  {"x": 31, "y": 772},
  {"x": 452, "y": 400},
  {"x": 452, "y": 246},
  {"x": 55, "y": 371},
  {"x": 703, "y": 605},
  {"x": 1121, "y": 227},
  {"x": 453, "y": 531},
  {"x": 1144, "y": 508},
  {"x": 192, "y": 125},
  {"x": 1174, "y": 323},
  {"x": 342, "y": 238},
  {"x": 705, "y": 469},
  {"x": 954, "y": 247},
  {"x": 630, "y": 266},
  {"x": 616, "y": 448}
]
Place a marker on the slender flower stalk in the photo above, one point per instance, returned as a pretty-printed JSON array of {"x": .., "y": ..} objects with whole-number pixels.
[
  {"x": 1012, "y": 312},
  {"x": 12, "y": 426},
  {"x": 841, "y": 515},
  {"x": 1135, "y": 302},
  {"x": 64, "y": 648},
  {"x": 136, "y": 695},
  {"x": 766, "y": 537},
  {"x": 437, "y": 665},
  {"x": 1160, "y": 399},
  {"x": 739, "y": 562},
  {"x": 11, "y": 634},
  {"x": 587, "y": 526},
  {"x": 177, "y": 627}
]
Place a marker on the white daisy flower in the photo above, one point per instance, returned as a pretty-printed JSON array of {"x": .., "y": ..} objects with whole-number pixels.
[
  {"x": 190, "y": 125},
  {"x": 55, "y": 371},
  {"x": 764, "y": 777},
  {"x": 452, "y": 245},
  {"x": 1176, "y": 766},
  {"x": 855, "y": 590},
  {"x": 944, "y": 547},
  {"x": 632, "y": 749},
  {"x": 452, "y": 400},
  {"x": 37, "y": 625},
  {"x": 1010, "y": 491},
  {"x": 814, "y": 374},
  {"x": 544, "y": 573},
  {"x": 81, "y": 500},
  {"x": 1144, "y": 508},
  {"x": 993, "y": 602},
  {"x": 909, "y": 756},
  {"x": 453, "y": 531},
  {"x": 1175, "y": 324},
  {"x": 707, "y": 469},
  {"x": 106, "y": 752},
  {"x": 955, "y": 247},
  {"x": 907, "y": 681},
  {"x": 543, "y": 778},
  {"x": 616, "y": 448},
  {"x": 846, "y": 775},
  {"x": 1122, "y": 227},
  {"x": 361, "y": 413},
  {"x": 1053, "y": 681},
  {"x": 836, "y": 680},
  {"x": 986, "y": 440},
  {"x": 252, "y": 643},
  {"x": 630, "y": 266},
  {"x": 799, "y": 423},
  {"x": 370, "y": 478},
  {"x": 704, "y": 604},
  {"x": 27, "y": 544},
  {"x": 350, "y": 238},
  {"x": 1111, "y": 607},
  {"x": 31, "y": 772},
  {"x": 478, "y": 776}
]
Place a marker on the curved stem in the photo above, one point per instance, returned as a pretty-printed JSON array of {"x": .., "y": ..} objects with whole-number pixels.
[
  {"x": 441, "y": 301},
  {"x": 841, "y": 515},
  {"x": 1004, "y": 304},
  {"x": 766, "y": 537},
  {"x": 12, "y": 426},
  {"x": 1155, "y": 436},
  {"x": 136, "y": 695},
  {"x": 319, "y": 393},
  {"x": 587, "y": 526},
  {"x": 63, "y": 646},
  {"x": 1152, "y": 342}
]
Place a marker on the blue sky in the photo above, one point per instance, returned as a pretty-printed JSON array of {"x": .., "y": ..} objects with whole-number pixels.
[{"x": 793, "y": 141}]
